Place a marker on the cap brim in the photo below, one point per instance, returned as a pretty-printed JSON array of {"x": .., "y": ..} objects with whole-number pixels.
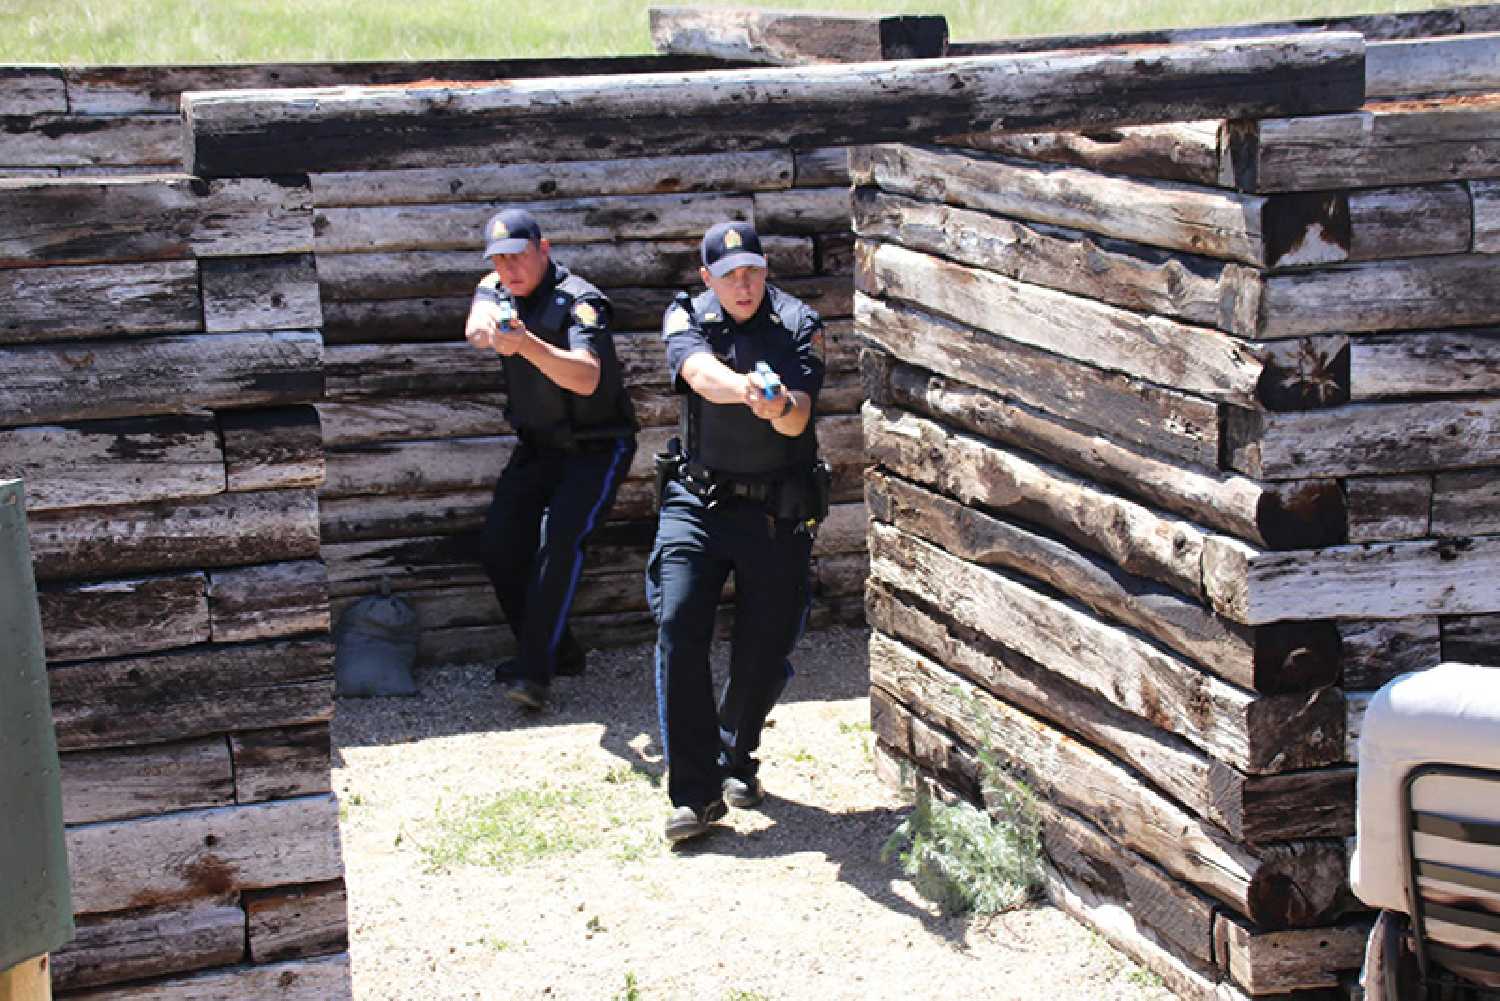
[
  {"x": 726, "y": 264},
  {"x": 514, "y": 245}
]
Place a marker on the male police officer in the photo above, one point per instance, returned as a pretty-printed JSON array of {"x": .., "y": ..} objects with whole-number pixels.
[
  {"x": 566, "y": 400},
  {"x": 744, "y": 492}
]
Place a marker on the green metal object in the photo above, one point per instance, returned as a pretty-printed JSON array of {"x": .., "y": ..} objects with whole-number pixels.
[{"x": 36, "y": 904}]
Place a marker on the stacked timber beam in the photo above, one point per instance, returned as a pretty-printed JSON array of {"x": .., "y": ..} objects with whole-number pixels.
[
  {"x": 1185, "y": 436},
  {"x": 413, "y": 416},
  {"x": 122, "y": 120},
  {"x": 162, "y": 359}
]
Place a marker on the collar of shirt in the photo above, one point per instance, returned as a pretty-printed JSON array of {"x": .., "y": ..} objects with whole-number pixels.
[{"x": 555, "y": 273}]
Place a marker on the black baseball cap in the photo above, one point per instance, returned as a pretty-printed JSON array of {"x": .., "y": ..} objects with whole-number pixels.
[
  {"x": 730, "y": 245},
  {"x": 509, "y": 232}
]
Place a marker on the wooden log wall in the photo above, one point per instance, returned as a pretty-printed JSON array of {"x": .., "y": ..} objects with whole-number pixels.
[
  {"x": 90, "y": 121},
  {"x": 412, "y": 417},
  {"x": 1184, "y": 441},
  {"x": 164, "y": 363}
]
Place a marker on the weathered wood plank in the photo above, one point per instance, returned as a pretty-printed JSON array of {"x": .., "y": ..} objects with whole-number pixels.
[
  {"x": 225, "y": 530},
  {"x": 154, "y": 141},
  {"x": 114, "y": 90},
  {"x": 281, "y": 763},
  {"x": 1472, "y": 639},
  {"x": 198, "y": 854},
  {"x": 1255, "y": 735},
  {"x": 765, "y": 170},
  {"x": 1267, "y": 962},
  {"x": 1388, "y": 25},
  {"x": 1455, "y": 65},
  {"x": 1389, "y": 508},
  {"x": 1156, "y": 349},
  {"x": 1294, "y": 885},
  {"x": 1291, "y": 515},
  {"x": 1167, "y": 422},
  {"x": 1183, "y": 916},
  {"x": 1400, "y": 143},
  {"x": 1265, "y": 661},
  {"x": 32, "y": 90},
  {"x": 116, "y": 618},
  {"x": 76, "y": 220},
  {"x": 272, "y": 449},
  {"x": 1466, "y": 503},
  {"x": 1486, "y": 195},
  {"x": 116, "y": 784},
  {"x": 1252, "y": 229},
  {"x": 158, "y": 375},
  {"x": 1439, "y": 363},
  {"x": 821, "y": 168},
  {"x": 393, "y": 516},
  {"x": 1261, "y": 808},
  {"x": 250, "y": 134},
  {"x": 1139, "y": 540},
  {"x": 267, "y": 602},
  {"x": 1376, "y": 650},
  {"x": 453, "y": 465},
  {"x": 114, "y": 462},
  {"x": 460, "y": 225},
  {"x": 365, "y": 421},
  {"x": 1377, "y": 580},
  {"x": 788, "y": 38},
  {"x": 297, "y": 921},
  {"x": 260, "y": 293},
  {"x": 53, "y": 304},
  {"x": 353, "y": 372},
  {"x": 1364, "y": 439},
  {"x": 111, "y": 948},
  {"x": 1175, "y": 151},
  {"x": 1409, "y": 221},
  {"x": 802, "y": 210},
  {"x": 1192, "y": 288},
  {"x": 171, "y": 696},
  {"x": 323, "y": 978},
  {"x": 1414, "y": 294}
]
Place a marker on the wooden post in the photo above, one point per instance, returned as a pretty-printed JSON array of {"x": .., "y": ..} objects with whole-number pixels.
[{"x": 28, "y": 981}]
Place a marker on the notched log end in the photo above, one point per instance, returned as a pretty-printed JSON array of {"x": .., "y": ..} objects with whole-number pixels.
[
  {"x": 1314, "y": 375},
  {"x": 1296, "y": 656},
  {"x": 1305, "y": 515}
]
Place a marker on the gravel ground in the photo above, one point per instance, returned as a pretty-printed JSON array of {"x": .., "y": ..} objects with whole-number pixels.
[{"x": 569, "y": 892}]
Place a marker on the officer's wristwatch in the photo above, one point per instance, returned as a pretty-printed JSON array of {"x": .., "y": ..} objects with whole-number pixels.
[{"x": 787, "y": 407}]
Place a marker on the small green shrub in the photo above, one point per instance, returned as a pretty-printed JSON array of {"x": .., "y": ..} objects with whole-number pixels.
[{"x": 965, "y": 859}]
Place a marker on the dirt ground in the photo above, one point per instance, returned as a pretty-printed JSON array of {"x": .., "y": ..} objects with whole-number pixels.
[{"x": 495, "y": 854}]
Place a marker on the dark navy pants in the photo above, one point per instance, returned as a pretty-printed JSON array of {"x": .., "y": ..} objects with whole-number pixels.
[
  {"x": 696, "y": 549},
  {"x": 546, "y": 505}
]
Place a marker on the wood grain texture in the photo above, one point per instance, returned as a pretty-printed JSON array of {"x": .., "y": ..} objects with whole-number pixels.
[
  {"x": 1412, "y": 294},
  {"x": 281, "y": 763},
  {"x": 1472, "y": 639},
  {"x": 762, "y": 170},
  {"x": 205, "y": 690},
  {"x": 70, "y": 141},
  {"x": 1173, "y": 151},
  {"x": 260, "y": 293},
  {"x": 1292, "y": 515},
  {"x": 1466, "y": 503},
  {"x": 1267, "y": 962},
  {"x": 1378, "y": 580},
  {"x": 267, "y": 602},
  {"x": 273, "y": 449},
  {"x": 225, "y": 530},
  {"x": 788, "y": 38},
  {"x": 323, "y": 978},
  {"x": 199, "y": 854},
  {"x": 1388, "y": 508},
  {"x": 32, "y": 90},
  {"x": 408, "y": 419},
  {"x": 298, "y": 921},
  {"x": 1376, "y": 650},
  {"x": 111, "y": 948},
  {"x": 249, "y": 134},
  {"x": 158, "y": 375},
  {"x": 121, "y": 617},
  {"x": 170, "y": 217},
  {"x": 128, "y": 461},
  {"x": 105, "y": 300},
  {"x": 119, "y": 783},
  {"x": 1435, "y": 363},
  {"x": 447, "y": 466}
]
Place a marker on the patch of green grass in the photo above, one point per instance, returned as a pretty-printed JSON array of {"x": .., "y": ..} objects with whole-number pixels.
[
  {"x": 1144, "y": 978},
  {"x": 194, "y": 31},
  {"x": 631, "y": 992},
  {"x": 860, "y": 728},
  {"x": 521, "y": 826},
  {"x": 735, "y": 994}
]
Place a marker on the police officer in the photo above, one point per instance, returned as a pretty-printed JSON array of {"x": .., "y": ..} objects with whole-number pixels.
[
  {"x": 567, "y": 402},
  {"x": 741, "y": 491}
]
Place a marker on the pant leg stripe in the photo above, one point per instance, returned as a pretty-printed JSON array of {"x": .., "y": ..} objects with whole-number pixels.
[{"x": 611, "y": 480}]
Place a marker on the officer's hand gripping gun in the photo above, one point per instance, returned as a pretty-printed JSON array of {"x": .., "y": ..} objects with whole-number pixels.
[{"x": 770, "y": 382}]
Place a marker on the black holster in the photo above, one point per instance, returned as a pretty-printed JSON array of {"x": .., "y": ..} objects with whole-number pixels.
[
  {"x": 805, "y": 497},
  {"x": 668, "y": 467}
]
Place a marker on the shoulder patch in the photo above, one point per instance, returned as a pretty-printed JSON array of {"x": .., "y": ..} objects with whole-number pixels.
[
  {"x": 586, "y": 314},
  {"x": 677, "y": 320}
]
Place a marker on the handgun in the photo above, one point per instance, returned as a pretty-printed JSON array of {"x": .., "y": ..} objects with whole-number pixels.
[{"x": 770, "y": 381}]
